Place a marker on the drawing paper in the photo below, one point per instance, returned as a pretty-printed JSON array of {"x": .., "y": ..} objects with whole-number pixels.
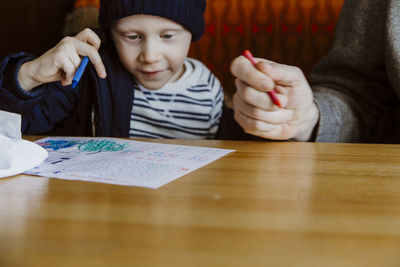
[{"x": 121, "y": 161}]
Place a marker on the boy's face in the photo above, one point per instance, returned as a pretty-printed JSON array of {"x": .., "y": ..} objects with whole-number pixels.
[{"x": 151, "y": 48}]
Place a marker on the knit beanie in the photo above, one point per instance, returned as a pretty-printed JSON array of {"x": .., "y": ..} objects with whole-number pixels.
[{"x": 188, "y": 13}]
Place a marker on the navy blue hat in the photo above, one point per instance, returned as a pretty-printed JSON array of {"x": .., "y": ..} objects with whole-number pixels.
[{"x": 188, "y": 13}]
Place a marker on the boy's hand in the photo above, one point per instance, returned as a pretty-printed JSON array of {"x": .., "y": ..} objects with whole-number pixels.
[
  {"x": 61, "y": 62},
  {"x": 258, "y": 115}
]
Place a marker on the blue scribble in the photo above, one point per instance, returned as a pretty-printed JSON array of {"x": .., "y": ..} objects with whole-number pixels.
[{"x": 57, "y": 144}]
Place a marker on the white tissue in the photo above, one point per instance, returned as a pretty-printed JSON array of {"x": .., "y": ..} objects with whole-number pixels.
[{"x": 16, "y": 155}]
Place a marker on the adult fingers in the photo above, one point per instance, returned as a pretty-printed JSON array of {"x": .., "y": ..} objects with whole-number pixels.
[
  {"x": 263, "y": 129},
  {"x": 284, "y": 75},
  {"x": 250, "y": 124},
  {"x": 278, "y": 133},
  {"x": 244, "y": 70},
  {"x": 273, "y": 116},
  {"x": 255, "y": 97}
]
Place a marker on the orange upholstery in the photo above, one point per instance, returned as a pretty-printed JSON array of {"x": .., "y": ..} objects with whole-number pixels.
[
  {"x": 295, "y": 32},
  {"x": 84, "y": 3}
]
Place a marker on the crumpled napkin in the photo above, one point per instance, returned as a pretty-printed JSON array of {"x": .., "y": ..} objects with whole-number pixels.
[{"x": 16, "y": 155}]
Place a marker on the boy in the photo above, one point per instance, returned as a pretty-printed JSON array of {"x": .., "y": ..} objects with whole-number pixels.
[{"x": 141, "y": 83}]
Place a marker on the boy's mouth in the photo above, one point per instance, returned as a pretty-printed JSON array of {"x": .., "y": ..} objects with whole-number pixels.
[{"x": 150, "y": 73}]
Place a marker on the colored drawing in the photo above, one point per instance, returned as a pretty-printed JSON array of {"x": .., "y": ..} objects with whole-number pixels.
[
  {"x": 161, "y": 155},
  {"x": 103, "y": 145},
  {"x": 132, "y": 151},
  {"x": 121, "y": 161},
  {"x": 57, "y": 144}
]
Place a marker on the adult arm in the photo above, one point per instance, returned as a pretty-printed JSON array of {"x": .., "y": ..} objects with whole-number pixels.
[{"x": 350, "y": 84}]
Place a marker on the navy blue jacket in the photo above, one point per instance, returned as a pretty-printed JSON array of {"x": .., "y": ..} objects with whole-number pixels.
[{"x": 53, "y": 109}]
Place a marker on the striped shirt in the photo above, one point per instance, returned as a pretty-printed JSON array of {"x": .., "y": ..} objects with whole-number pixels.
[{"x": 189, "y": 108}]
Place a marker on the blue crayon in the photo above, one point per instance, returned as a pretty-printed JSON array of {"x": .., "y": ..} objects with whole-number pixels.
[{"x": 79, "y": 71}]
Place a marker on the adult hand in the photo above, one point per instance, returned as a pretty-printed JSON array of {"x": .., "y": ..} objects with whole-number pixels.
[
  {"x": 61, "y": 62},
  {"x": 258, "y": 115}
]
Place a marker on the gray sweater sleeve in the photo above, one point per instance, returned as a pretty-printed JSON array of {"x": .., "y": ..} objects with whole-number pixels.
[{"x": 350, "y": 84}]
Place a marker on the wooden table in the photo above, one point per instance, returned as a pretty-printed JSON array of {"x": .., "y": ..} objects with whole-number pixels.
[{"x": 268, "y": 204}]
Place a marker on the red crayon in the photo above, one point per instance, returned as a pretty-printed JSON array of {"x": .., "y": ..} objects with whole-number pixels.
[{"x": 246, "y": 53}]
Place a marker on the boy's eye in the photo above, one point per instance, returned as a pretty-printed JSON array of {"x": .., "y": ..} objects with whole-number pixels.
[
  {"x": 167, "y": 36},
  {"x": 133, "y": 37}
]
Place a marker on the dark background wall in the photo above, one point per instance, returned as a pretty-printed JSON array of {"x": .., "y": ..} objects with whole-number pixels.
[{"x": 31, "y": 25}]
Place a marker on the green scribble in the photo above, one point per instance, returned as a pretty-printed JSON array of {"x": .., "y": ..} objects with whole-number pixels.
[{"x": 101, "y": 146}]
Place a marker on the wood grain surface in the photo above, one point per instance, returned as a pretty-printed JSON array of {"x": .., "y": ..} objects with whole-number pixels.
[{"x": 267, "y": 204}]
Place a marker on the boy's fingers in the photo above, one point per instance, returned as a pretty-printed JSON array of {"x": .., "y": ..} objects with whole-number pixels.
[
  {"x": 69, "y": 71},
  {"x": 75, "y": 59},
  {"x": 244, "y": 70},
  {"x": 91, "y": 52},
  {"x": 90, "y": 37}
]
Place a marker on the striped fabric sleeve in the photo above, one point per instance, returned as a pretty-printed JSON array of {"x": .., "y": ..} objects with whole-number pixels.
[{"x": 189, "y": 108}]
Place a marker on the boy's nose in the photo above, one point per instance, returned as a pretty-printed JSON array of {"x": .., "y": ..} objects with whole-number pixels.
[{"x": 150, "y": 52}]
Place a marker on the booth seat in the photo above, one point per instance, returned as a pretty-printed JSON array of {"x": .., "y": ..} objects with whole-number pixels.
[{"x": 294, "y": 32}]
